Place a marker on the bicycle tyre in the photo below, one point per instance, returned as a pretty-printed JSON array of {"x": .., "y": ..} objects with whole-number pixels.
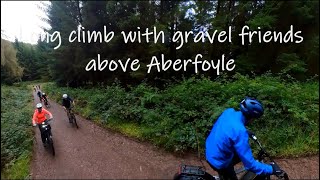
[
  {"x": 51, "y": 146},
  {"x": 48, "y": 104},
  {"x": 75, "y": 120}
]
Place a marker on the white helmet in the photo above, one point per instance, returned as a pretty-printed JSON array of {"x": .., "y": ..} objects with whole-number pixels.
[
  {"x": 39, "y": 105},
  {"x": 65, "y": 96},
  {"x": 43, "y": 93}
]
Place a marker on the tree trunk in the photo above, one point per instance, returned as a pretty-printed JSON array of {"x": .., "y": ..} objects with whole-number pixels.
[{"x": 79, "y": 12}]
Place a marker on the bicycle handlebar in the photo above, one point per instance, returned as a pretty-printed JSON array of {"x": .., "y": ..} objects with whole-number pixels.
[
  {"x": 45, "y": 121},
  {"x": 263, "y": 152}
]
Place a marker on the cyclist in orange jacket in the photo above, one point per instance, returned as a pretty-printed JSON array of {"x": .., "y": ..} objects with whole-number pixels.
[{"x": 39, "y": 116}]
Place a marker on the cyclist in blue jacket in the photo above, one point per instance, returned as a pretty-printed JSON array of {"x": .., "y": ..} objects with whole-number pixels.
[{"x": 228, "y": 141}]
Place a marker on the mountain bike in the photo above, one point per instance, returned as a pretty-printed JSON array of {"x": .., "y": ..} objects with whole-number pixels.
[
  {"x": 72, "y": 117},
  {"x": 45, "y": 129},
  {"x": 190, "y": 172},
  {"x": 46, "y": 103}
]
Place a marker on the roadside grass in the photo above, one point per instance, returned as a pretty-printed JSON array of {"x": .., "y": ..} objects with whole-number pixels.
[{"x": 16, "y": 131}]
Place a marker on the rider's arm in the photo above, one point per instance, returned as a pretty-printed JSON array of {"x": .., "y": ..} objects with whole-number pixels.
[
  {"x": 47, "y": 112},
  {"x": 34, "y": 118},
  {"x": 242, "y": 147},
  {"x": 63, "y": 104},
  {"x": 71, "y": 101}
]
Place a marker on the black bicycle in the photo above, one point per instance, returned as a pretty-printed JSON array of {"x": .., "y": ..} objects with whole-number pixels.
[
  {"x": 190, "y": 172},
  {"x": 46, "y": 103},
  {"x": 45, "y": 129},
  {"x": 72, "y": 117}
]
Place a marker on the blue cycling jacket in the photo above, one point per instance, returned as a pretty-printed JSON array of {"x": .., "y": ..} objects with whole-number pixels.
[{"x": 229, "y": 136}]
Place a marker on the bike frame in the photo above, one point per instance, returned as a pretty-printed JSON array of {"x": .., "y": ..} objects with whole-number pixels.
[
  {"x": 248, "y": 175},
  {"x": 70, "y": 112},
  {"x": 46, "y": 130},
  {"x": 72, "y": 116}
]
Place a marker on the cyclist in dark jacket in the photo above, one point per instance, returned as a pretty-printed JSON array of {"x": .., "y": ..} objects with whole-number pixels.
[
  {"x": 39, "y": 93},
  {"x": 67, "y": 104},
  {"x": 228, "y": 141}
]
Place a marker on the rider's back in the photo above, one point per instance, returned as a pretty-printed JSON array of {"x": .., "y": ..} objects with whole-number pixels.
[
  {"x": 67, "y": 102},
  {"x": 229, "y": 136},
  {"x": 219, "y": 144}
]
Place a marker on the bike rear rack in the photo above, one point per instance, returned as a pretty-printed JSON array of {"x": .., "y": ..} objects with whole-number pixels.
[{"x": 192, "y": 170}]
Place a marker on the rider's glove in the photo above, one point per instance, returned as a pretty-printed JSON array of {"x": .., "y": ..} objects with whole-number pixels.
[
  {"x": 276, "y": 169},
  {"x": 34, "y": 125}
]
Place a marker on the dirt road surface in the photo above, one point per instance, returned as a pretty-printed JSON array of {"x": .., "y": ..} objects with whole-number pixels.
[{"x": 92, "y": 152}]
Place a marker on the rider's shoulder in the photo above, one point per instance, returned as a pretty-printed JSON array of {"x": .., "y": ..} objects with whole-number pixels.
[{"x": 229, "y": 111}]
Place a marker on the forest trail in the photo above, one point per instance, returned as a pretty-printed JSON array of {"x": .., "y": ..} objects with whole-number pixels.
[{"x": 92, "y": 152}]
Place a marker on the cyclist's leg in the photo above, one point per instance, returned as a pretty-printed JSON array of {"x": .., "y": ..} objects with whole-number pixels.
[
  {"x": 42, "y": 136},
  {"x": 69, "y": 115},
  {"x": 226, "y": 173},
  {"x": 235, "y": 159}
]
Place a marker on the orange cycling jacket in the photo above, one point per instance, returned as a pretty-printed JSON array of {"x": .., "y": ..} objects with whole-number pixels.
[{"x": 38, "y": 118}]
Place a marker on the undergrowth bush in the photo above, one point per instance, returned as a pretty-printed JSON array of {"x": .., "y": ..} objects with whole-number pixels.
[
  {"x": 179, "y": 117},
  {"x": 16, "y": 130}
]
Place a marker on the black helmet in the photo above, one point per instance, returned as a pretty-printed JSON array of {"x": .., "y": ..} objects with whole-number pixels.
[{"x": 251, "y": 108}]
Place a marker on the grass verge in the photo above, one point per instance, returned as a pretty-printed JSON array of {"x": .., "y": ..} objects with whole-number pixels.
[{"x": 16, "y": 131}]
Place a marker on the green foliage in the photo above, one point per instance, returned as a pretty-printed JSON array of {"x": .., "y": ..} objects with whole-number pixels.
[
  {"x": 68, "y": 62},
  {"x": 11, "y": 71},
  {"x": 294, "y": 64},
  {"x": 19, "y": 169},
  {"x": 34, "y": 59},
  {"x": 266, "y": 17},
  {"x": 179, "y": 117},
  {"x": 16, "y": 130}
]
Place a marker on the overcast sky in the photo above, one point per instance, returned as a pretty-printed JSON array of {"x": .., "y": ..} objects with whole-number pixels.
[{"x": 21, "y": 19}]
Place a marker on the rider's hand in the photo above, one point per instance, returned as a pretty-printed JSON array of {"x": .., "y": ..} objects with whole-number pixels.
[
  {"x": 250, "y": 133},
  {"x": 276, "y": 169},
  {"x": 34, "y": 125}
]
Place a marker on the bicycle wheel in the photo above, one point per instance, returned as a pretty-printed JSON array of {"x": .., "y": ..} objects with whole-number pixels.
[
  {"x": 74, "y": 120},
  {"x": 46, "y": 104},
  {"x": 51, "y": 146}
]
